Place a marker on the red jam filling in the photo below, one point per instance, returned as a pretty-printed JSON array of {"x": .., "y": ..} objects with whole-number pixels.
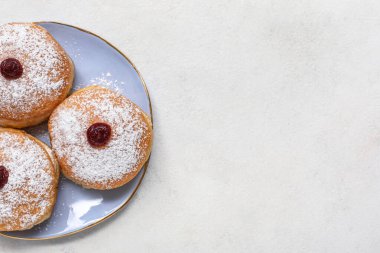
[
  {"x": 3, "y": 176},
  {"x": 11, "y": 68},
  {"x": 98, "y": 134}
]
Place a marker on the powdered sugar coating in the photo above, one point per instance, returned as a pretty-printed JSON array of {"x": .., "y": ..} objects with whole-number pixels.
[
  {"x": 127, "y": 147},
  {"x": 44, "y": 64},
  {"x": 25, "y": 199}
]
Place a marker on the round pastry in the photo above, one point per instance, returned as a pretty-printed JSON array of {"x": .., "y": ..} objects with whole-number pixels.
[
  {"x": 35, "y": 74},
  {"x": 28, "y": 180},
  {"x": 101, "y": 139}
]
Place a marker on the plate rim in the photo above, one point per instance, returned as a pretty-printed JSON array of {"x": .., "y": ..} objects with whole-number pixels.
[{"x": 144, "y": 168}]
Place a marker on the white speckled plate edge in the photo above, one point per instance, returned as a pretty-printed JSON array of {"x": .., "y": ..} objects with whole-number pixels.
[{"x": 131, "y": 187}]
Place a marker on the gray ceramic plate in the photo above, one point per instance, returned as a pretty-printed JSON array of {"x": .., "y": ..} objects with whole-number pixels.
[{"x": 96, "y": 61}]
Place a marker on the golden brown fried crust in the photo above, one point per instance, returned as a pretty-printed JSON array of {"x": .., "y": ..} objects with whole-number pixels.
[
  {"x": 47, "y": 105},
  {"x": 53, "y": 170},
  {"x": 144, "y": 149}
]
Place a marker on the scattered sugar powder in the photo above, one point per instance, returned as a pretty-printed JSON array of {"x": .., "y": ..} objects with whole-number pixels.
[
  {"x": 72, "y": 46},
  {"x": 42, "y": 63},
  {"x": 104, "y": 80},
  {"x": 28, "y": 187},
  {"x": 125, "y": 149}
]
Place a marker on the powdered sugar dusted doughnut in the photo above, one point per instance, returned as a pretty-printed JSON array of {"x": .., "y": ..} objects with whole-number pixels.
[
  {"x": 101, "y": 138},
  {"x": 28, "y": 180},
  {"x": 36, "y": 74}
]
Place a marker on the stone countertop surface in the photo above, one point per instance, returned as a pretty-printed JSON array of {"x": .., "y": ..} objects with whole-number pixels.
[{"x": 267, "y": 124}]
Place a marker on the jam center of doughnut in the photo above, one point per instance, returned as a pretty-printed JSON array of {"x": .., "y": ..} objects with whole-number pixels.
[
  {"x": 98, "y": 134},
  {"x": 11, "y": 68},
  {"x": 3, "y": 176}
]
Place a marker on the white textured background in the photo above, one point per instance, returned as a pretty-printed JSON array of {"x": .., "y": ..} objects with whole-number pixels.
[{"x": 267, "y": 124}]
